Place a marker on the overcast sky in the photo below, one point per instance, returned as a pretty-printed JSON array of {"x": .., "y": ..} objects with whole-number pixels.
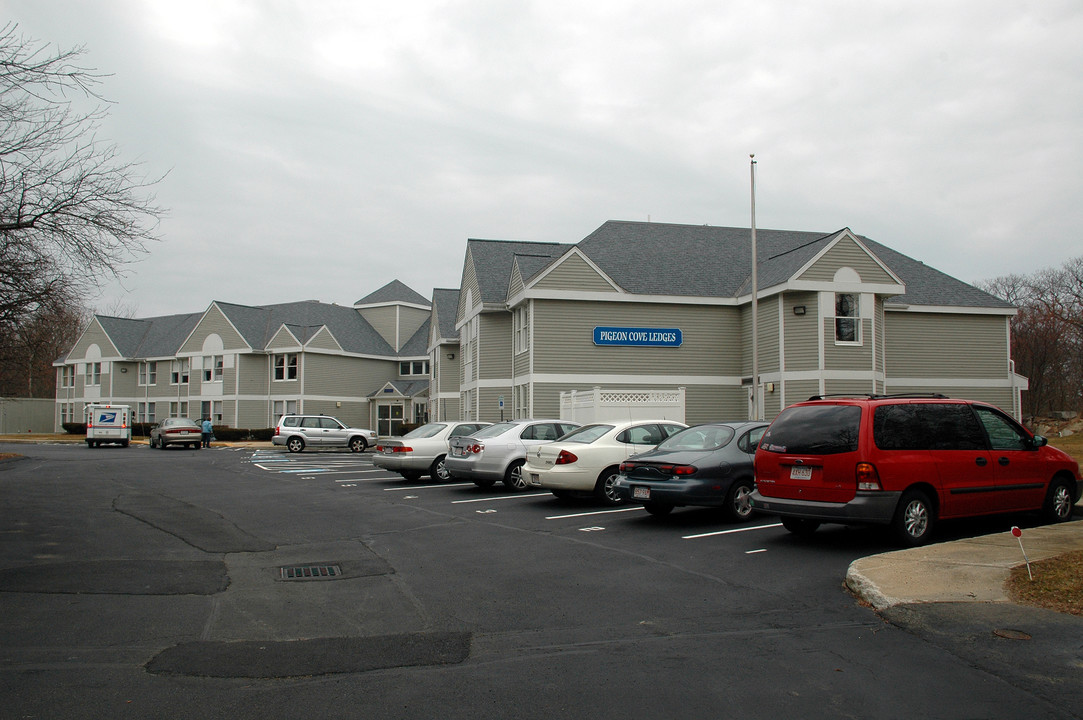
[{"x": 318, "y": 150}]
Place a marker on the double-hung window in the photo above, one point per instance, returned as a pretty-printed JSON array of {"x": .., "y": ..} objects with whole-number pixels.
[
  {"x": 148, "y": 373},
  {"x": 285, "y": 366},
  {"x": 178, "y": 374},
  {"x": 94, "y": 373},
  {"x": 521, "y": 325},
  {"x": 847, "y": 318},
  {"x": 212, "y": 368}
]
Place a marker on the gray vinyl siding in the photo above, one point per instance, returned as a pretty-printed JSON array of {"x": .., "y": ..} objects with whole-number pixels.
[
  {"x": 94, "y": 335},
  {"x": 801, "y": 338},
  {"x": 847, "y": 253},
  {"x": 410, "y": 321},
  {"x": 710, "y": 403},
  {"x": 767, "y": 312},
  {"x": 283, "y": 340},
  {"x": 253, "y": 414},
  {"x": 845, "y": 356},
  {"x": 213, "y": 322},
  {"x": 124, "y": 384},
  {"x": 563, "y": 338},
  {"x": 935, "y": 345},
  {"x": 253, "y": 374},
  {"x": 383, "y": 320},
  {"x": 841, "y": 387},
  {"x": 344, "y": 377},
  {"x": 489, "y": 411},
  {"x": 574, "y": 274},
  {"x": 516, "y": 285},
  {"x": 798, "y": 391},
  {"x": 521, "y": 364},
  {"x": 324, "y": 340},
  {"x": 494, "y": 346},
  {"x": 469, "y": 287}
]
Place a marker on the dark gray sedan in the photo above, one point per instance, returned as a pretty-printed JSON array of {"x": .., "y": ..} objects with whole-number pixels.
[{"x": 708, "y": 465}]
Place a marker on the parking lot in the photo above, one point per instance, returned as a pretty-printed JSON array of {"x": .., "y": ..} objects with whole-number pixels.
[{"x": 154, "y": 583}]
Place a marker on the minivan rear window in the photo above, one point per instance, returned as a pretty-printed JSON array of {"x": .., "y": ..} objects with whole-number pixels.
[{"x": 814, "y": 430}]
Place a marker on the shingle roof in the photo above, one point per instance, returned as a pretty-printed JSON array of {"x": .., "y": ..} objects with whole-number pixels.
[
  {"x": 259, "y": 324},
  {"x": 418, "y": 344},
  {"x": 492, "y": 263},
  {"x": 445, "y": 302},
  {"x": 707, "y": 261},
  {"x": 149, "y": 337},
  {"x": 394, "y": 291}
]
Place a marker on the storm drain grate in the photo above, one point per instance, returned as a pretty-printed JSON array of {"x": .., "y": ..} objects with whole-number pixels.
[{"x": 310, "y": 572}]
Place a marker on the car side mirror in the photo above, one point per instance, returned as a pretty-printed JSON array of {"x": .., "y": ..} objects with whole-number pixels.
[{"x": 1038, "y": 441}]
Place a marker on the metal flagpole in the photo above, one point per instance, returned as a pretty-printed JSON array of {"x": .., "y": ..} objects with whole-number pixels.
[{"x": 755, "y": 303}]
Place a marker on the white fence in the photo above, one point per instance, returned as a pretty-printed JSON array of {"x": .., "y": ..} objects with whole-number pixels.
[{"x": 598, "y": 405}]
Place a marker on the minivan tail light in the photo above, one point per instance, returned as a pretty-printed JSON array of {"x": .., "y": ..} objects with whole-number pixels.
[
  {"x": 565, "y": 458},
  {"x": 867, "y": 477}
]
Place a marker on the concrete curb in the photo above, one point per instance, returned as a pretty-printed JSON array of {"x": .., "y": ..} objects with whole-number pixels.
[{"x": 971, "y": 570}]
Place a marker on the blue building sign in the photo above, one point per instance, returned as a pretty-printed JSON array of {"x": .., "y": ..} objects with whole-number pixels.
[{"x": 639, "y": 337}]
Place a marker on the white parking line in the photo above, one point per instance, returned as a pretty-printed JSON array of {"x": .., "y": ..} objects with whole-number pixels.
[
  {"x": 594, "y": 512},
  {"x": 729, "y": 532},
  {"x": 427, "y": 487},
  {"x": 504, "y": 497}
]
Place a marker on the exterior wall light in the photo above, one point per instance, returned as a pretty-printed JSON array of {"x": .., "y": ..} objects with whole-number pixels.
[
  {"x": 798, "y": 309},
  {"x": 451, "y": 356},
  {"x": 124, "y": 369}
]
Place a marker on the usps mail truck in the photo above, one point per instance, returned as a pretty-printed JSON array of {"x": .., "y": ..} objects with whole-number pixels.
[{"x": 108, "y": 424}]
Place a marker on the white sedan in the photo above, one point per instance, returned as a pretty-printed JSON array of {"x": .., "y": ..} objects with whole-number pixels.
[
  {"x": 588, "y": 459},
  {"x": 422, "y": 451}
]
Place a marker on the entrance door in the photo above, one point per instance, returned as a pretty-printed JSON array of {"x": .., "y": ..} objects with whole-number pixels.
[{"x": 388, "y": 420}]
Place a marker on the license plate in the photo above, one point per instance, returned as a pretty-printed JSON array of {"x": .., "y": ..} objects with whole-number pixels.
[
  {"x": 388, "y": 451},
  {"x": 457, "y": 452},
  {"x": 641, "y": 493},
  {"x": 800, "y": 472}
]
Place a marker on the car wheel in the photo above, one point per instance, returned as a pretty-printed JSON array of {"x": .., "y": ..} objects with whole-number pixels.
[
  {"x": 658, "y": 509},
  {"x": 739, "y": 501},
  {"x": 606, "y": 487},
  {"x": 513, "y": 477},
  {"x": 913, "y": 521},
  {"x": 358, "y": 444},
  {"x": 295, "y": 444},
  {"x": 800, "y": 526},
  {"x": 410, "y": 475},
  {"x": 438, "y": 470},
  {"x": 1058, "y": 501}
]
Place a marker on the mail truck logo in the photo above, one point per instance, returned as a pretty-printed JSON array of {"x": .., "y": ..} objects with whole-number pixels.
[
  {"x": 639, "y": 337},
  {"x": 108, "y": 417}
]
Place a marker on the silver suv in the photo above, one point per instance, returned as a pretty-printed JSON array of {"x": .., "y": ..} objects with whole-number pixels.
[{"x": 297, "y": 432}]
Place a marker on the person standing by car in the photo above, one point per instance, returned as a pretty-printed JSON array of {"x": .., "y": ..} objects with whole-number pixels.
[{"x": 208, "y": 430}]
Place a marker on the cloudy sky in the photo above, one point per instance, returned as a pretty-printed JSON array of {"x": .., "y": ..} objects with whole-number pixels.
[{"x": 317, "y": 150}]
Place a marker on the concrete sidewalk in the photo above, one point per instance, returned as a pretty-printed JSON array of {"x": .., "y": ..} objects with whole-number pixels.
[{"x": 971, "y": 570}]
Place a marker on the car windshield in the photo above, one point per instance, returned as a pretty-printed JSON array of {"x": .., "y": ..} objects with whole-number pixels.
[
  {"x": 814, "y": 430},
  {"x": 586, "y": 434},
  {"x": 494, "y": 430},
  {"x": 700, "y": 437},
  {"x": 425, "y": 431}
]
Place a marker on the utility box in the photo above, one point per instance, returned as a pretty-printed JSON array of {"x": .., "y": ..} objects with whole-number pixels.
[{"x": 108, "y": 424}]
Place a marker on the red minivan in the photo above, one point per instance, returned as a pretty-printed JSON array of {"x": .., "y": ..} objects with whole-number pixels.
[{"x": 906, "y": 461}]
